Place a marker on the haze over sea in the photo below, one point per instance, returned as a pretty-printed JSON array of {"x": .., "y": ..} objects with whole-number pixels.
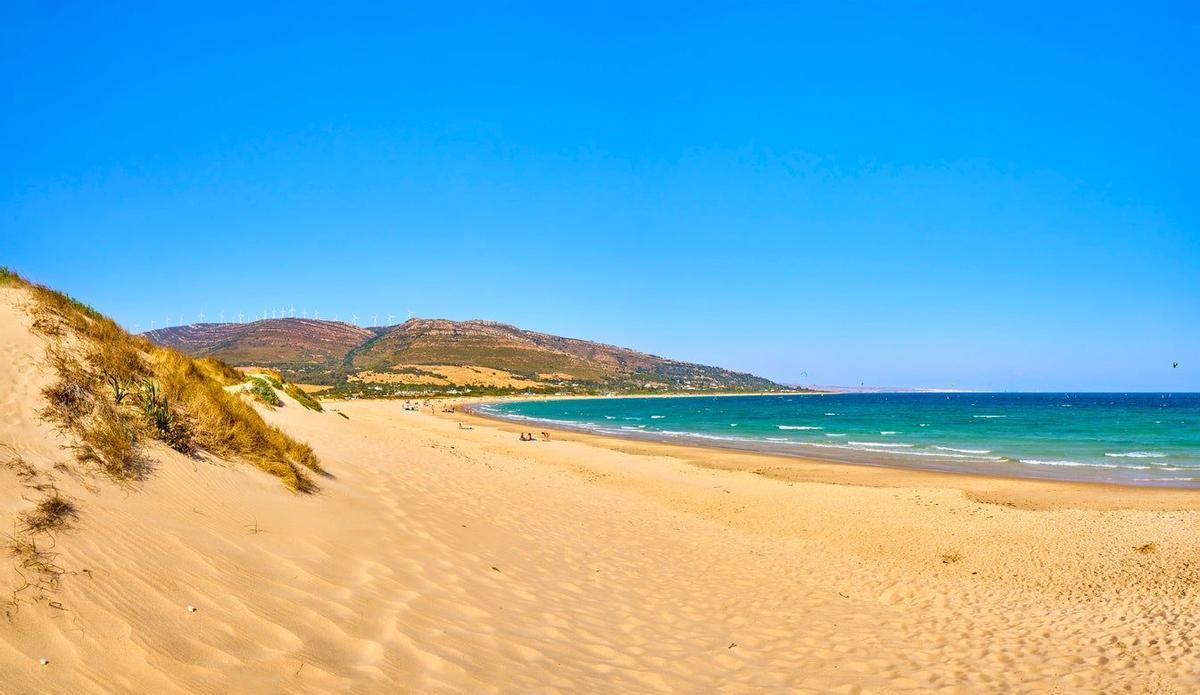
[{"x": 1143, "y": 439}]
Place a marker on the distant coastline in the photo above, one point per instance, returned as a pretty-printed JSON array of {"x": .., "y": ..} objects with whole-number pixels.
[{"x": 959, "y": 442}]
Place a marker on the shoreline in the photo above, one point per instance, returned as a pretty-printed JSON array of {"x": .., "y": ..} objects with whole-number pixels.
[{"x": 1022, "y": 492}]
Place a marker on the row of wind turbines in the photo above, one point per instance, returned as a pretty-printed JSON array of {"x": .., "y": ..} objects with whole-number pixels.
[{"x": 271, "y": 313}]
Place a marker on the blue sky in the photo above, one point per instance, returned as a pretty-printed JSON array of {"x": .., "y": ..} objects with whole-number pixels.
[{"x": 941, "y": 194}]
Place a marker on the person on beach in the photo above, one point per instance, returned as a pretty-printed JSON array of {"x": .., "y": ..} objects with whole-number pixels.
[{"x": 545, "y": 436}]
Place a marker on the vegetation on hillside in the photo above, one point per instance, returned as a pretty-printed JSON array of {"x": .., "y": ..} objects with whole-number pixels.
[{"x": 305, "y": 351}]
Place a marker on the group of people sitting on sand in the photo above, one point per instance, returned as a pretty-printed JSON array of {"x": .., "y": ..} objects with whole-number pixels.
[{"x": 528, "y": 437}]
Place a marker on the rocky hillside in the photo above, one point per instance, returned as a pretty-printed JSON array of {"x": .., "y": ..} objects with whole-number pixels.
[
  {"x": 266, "y": 343},
  {"x": 437, "y": 355}
]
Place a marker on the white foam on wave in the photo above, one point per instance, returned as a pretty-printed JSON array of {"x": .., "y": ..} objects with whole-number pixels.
[
  {"x": 923, "y": 424},
  {"x": 657, "y": 417},
  {"x": 988, "y": 417},
  {"x": 960, "y": 457},
  {"x": 907, "y": 452},
  {"x": 831, "y": 413},
  {"x": 798, "y": 427},
  {"x": 887, "y": 432},
  {"x": 699, "y": 435},
  {"x": 1166, "y": 478},
  {"x": 963, "y": 451},
  {"x": 1041, "y": 462},
  {"x": 834, "y": 435},
  {"x": 702, "y": 435},
  {"x": 733, "y": 424},
  {"x": 627, "y": 427},
  {"x": 883, "y": 444},
  {"x": 1137, "y": 455}
]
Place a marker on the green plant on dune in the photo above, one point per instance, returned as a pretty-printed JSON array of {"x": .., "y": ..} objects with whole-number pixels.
[
  {"x": 260, "y": 387},
  {"x": 168, "y": 426},
  {"x": 120, "y": 390}
]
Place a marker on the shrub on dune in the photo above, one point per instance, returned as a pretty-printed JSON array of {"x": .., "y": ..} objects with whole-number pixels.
[{"x": 261, "y": 389}]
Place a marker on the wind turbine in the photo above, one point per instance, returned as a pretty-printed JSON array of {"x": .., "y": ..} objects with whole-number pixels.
[
  {"x": 201, "y": 315},
  {"x": 221, "y": 314},
  {"x": 239, "y": 317},
  {"x": 374, "y": 319},
  {"x": 316, "y": 314},
  {"x": 354, "y": 319},
  {"x": 293, "y": 311},
  {"x": 391, "y": 318},
  {"x": 151, "y": 324},
  {"x": 411, "y": 313},
  {"x": 304, "y": 313}
]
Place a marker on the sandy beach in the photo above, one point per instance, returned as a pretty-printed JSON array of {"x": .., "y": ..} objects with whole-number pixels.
[
  {"x": 445, "y": 555},
  {"x": 456, "y": 560}
]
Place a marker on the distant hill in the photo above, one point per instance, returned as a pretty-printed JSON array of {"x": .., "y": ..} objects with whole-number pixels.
[
  {"x": 437, "y": 355},
  {"x": 266, "y": 343}
]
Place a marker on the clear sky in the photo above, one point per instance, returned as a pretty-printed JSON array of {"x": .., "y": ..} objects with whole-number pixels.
[{"x": 926, "y": 195}]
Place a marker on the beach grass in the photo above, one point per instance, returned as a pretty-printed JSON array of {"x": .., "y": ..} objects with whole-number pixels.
[
  {"x": 302, "y": 398},
  {"x": 114, "y": 391}
]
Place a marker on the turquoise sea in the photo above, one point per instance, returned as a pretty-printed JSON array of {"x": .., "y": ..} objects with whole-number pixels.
[{"x": 1141, "y": 438}]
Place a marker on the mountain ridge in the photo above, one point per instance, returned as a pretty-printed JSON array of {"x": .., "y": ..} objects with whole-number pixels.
[{"x": 430, "y": 355}]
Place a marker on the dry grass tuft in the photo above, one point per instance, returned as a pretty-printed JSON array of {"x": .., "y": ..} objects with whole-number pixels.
[
  {"x": 53, "y": 513},
  {"x": 218, "y": 371},
  {"x": 951, "y": 557},
  {"x": 1147, "y": 548},
  {"x": 16, "y": 463},
  {"x": 38, "y": 569}
]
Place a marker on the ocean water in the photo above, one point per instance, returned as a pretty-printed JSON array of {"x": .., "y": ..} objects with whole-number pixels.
[{"x": 1142, "y": 439}]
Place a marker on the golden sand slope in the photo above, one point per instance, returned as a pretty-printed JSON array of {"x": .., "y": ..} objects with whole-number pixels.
[{"x": 448, "y": 560}]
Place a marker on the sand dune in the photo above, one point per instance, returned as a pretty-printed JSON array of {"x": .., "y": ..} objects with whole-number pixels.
[{"x": 439, "y": 559}]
